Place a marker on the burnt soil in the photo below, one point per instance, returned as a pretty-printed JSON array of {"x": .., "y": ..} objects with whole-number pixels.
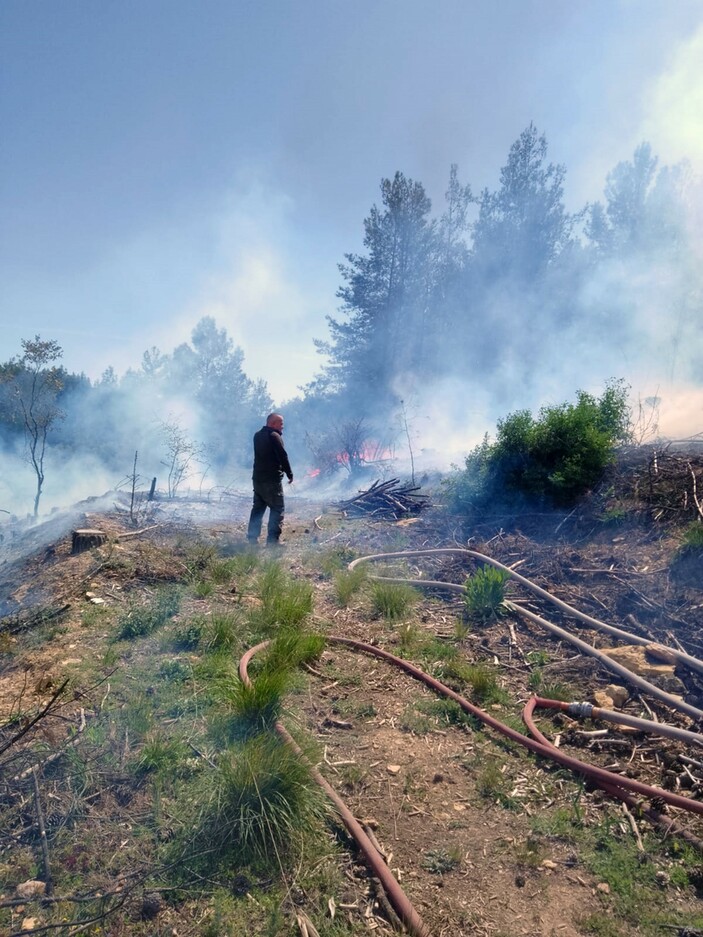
[{"x": 472, "y": 826}]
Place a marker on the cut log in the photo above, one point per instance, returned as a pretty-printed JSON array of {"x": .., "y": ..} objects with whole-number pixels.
[{"x": 86, "y": 539}]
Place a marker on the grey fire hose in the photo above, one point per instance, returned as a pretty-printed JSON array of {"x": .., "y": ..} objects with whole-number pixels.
[{"x": 673, "y": 701}]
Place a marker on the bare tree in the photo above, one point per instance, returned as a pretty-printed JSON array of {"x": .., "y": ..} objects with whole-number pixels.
[
  {"x": 36, "y": 384},
  {"x": 348, "y": 446},
  {"x": 182, "y": 455}
]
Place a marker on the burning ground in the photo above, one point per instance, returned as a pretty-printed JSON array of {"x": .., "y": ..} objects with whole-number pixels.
[{"x": 127, "y": 654}]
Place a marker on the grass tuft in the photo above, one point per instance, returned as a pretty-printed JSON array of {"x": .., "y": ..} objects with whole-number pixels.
[
  {"x": 246, "y": 711},
  {"x": 139, "y": 621},
  {"x": 256, "y": 806},
  {"x": 347, "y": 583},
  {"x": 393, "y": 600},
  {"x": 284, "y": 601}
]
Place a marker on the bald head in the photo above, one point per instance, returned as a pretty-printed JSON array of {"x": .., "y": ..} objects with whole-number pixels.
[{"x": 275, "y": 421}]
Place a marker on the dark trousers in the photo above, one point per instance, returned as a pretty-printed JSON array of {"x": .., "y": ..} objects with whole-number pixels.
[{"x": 266, "y": 495}]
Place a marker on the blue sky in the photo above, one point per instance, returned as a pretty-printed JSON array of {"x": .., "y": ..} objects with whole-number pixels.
[{"x": 162, "y": 160}]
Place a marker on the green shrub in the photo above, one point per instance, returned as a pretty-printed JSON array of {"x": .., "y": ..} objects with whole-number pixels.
[
  {"x": 335, "y": 559},
  {"x": 291, "y": 648},
  {"x": 203, "y": 588},
  {"x": 441, "y": 861},
  {"x": 484, "y": 593},
  {"x": 223, "y": 631},
  {"x": 222, "y": 571},
  {"x": 176, "y": 670},
  {"x": 160, "y": 756},
  {"x": 551, "y": 460},
  {"x": 187, "y": 637}
]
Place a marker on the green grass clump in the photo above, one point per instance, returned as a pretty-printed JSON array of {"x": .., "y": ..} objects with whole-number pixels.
[
  {"x": 176, "y": 670},
  {"x": 692, "y": 538},
  {"x": 244, "y": 564},
  {"x": 256, "y": 807},
  {"x": 393, "y": 600},
  {"x": 347, "y": 583},
  {"x": 284, "y": 601},
  {"x": 245, "y": 711},
  {"x": 291, "y": 648},
  {"x": 189, "y": 635},
  {"x": 484, "y": 593},
  {"x": 447, "y": 712},
  {"x": 223, "y": 631},
  {"x": 202, "y": 588},
  {"x": 335, "y": 559},
  {"x": 158, "y": 755},
  {"x": 440, "y": 861},
  {"x": 140, "y": 621},
  {"x": 221, "y": 571},
  {"x": 481, "y": 679}
]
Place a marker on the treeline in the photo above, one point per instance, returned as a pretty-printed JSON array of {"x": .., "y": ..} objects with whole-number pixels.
[
  {"x": 189, "y": 414},
  {"x": 502, "y": 285},
  {"x": 505, "y": 282}
]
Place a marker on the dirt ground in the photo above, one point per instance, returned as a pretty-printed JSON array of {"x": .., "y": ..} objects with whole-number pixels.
[{"x": 454, "y": 807}]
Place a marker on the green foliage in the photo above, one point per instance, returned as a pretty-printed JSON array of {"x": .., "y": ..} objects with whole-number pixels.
[
  {"x": 460, "y": 673},
  {"x": 244, "y": 563},
  {"x": 139, "y": 621},
  {"x": 493, "y": 783},
  {"x": 284, "y": 601},
  {"x": 187, "y": 637},
  {"x": 484, "y": 593},
  {"x": 559, "y": 691},
  {"x": 203, "y": 588},
  {"x": 348, "y": 582},
  {"x": 393, "y": 600},
  {"x": 551, "y": 460},
  {"x": 222, "y": 571},
  {"x": 223, "y": 631},
  {"x": 692, "y": 538},
  {"x": 291, "y": 648},
  {"x": 484, "y": 684},
  {"x": 440, "y": 861},
  {"x": 247, "y": 711},
  {"x": 161, "y": 756},
  {"x": 176, "y": 670},
  {"x": 446, "y": 711},
  {"x": 335, "y": 559},
  {"x": 255, "y": 807}
]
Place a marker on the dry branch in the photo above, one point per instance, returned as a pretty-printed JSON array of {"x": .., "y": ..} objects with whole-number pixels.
[{"x": 390, "y": 499}]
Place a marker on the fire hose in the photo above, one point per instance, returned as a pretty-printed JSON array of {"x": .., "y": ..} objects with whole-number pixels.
[
  {"x": 680, "y": 656},
  {"x": 614, "y": 784}
]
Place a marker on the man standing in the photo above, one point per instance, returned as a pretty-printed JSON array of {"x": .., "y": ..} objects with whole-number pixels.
[{"x": 270, "y": 465}]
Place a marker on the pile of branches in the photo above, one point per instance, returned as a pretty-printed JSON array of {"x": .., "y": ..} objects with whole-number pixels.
[
  {"x": 667, "y": 479},
  {"x": 390, "y": 499}
]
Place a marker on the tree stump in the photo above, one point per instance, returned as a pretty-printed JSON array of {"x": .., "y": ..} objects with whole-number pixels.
[{"x": 86, "y": 539}]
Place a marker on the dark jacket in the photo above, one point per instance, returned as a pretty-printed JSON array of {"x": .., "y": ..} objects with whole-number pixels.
[{"x": 270, "y": 457}]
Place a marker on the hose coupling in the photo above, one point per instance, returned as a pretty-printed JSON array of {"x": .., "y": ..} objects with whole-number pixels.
[{"x": 580, "y": 710}]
